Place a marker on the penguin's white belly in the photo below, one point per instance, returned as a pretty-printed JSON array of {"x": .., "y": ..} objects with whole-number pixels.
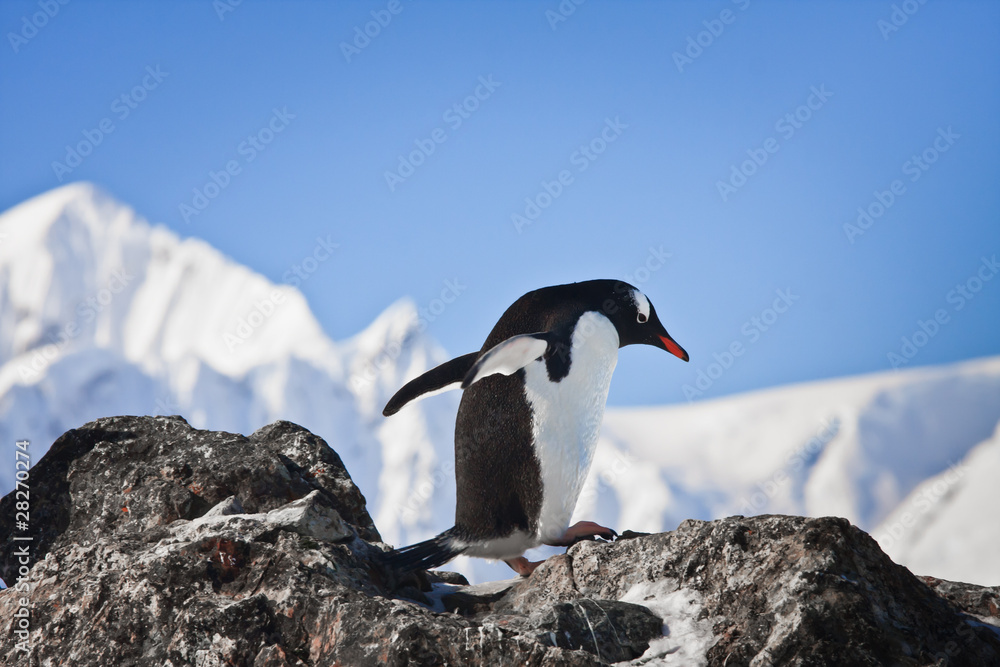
[{"x": 567, "y": 416}]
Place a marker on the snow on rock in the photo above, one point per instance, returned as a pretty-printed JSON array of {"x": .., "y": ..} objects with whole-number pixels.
[{"x": 686, "y": 635}]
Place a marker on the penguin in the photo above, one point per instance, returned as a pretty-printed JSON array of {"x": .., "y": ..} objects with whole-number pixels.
[{"x": 529, "y": 418}]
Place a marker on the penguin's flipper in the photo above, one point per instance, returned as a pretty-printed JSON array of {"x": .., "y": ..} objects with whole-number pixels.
[
  {"x": 509, "y": 356},
  {"x": 436, "y": 379}
]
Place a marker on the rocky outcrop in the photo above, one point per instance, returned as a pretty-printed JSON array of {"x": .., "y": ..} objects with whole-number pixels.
[{"x": 156, "y": 543}]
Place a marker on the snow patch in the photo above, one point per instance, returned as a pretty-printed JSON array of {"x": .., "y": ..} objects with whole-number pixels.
[{"x": 686, "y": 639}]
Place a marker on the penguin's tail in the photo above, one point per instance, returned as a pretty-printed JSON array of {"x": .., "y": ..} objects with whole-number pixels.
[{"x": 426, "y": 555}]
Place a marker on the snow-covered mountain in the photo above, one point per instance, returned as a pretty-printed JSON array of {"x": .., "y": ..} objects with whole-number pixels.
[
  {"x": 910, "y": 456},
  {"x": 102, "y": 313}
]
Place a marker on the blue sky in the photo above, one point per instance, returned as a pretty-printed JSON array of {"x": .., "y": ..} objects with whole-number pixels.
[{"x": 807, "y": 111}]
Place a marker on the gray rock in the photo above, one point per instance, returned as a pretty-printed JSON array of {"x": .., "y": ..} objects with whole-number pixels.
[
  {"x": 613, "y": 631},
  {"x": 156, "y": 543}
]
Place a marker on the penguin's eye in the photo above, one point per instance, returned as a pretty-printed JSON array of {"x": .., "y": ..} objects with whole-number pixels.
[{"x": 641, "y": 318}]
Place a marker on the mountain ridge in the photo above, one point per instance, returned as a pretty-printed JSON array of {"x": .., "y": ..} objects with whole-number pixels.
[
  {"x": 155, "y": 342},
  {"x": 103, "y": 313}
]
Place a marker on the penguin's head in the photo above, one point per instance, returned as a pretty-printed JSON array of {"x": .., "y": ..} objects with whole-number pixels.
[{"x": 635, "y": 319}]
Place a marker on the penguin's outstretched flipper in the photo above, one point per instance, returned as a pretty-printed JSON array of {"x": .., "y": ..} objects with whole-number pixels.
[
  {"x": 434, "y": 380},
  {"x": 425, "y": 555}
]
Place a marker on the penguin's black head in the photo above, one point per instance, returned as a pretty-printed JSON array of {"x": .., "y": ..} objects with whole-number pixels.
[{"x": 635, "y": 319}]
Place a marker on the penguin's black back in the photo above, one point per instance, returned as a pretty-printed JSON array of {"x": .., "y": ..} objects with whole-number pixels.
[
  {"x": 497, "y": 475},
  {"x": 551, "y": 308}
]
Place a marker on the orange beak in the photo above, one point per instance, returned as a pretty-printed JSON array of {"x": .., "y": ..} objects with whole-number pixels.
[{"x": 673, "y": 348}]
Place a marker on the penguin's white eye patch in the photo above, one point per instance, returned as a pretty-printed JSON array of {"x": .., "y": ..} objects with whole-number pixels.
[{"x": 641, "y": 305}]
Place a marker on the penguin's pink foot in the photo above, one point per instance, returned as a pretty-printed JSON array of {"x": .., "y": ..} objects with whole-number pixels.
[
  {"x": 583, "y": 530},
  {"x": 522, "y": 565}
]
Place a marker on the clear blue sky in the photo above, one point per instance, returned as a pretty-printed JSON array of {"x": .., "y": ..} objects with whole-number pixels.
[{"x": 681, "y": 126}]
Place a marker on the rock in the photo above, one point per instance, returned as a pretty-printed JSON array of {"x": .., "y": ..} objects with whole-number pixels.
[
  {"x": 613, "y": 631},
  {"x": 979, "y": 600},
  {"x": 776, "y": 590},
  {"x": 156, "y": 543}
]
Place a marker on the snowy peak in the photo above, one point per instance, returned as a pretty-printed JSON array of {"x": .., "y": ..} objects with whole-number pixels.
[
  {"x": 195, "y": 303},
  {"x": 77, "y": 206},
  {"x": 78, "y": 269},
  {"x": 391, "y": 351},
  {"x": 102, "y": 314},
  {"x": 64, "y": 260}
]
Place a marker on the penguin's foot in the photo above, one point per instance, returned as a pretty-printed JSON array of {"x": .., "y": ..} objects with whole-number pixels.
[
  {"x": 583, "y": 530},
  {"x": 522, "y": 565}
]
